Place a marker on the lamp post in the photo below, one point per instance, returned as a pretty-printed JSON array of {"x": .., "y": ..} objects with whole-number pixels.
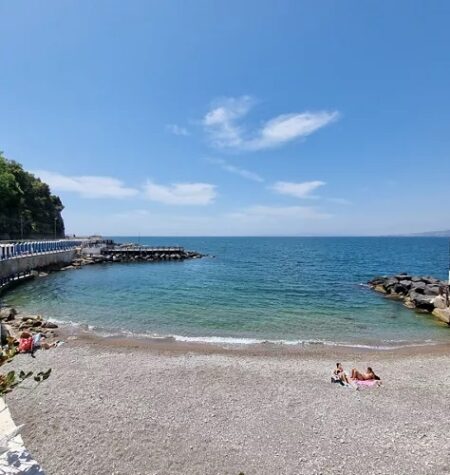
[{"x": 54, "y": 228}]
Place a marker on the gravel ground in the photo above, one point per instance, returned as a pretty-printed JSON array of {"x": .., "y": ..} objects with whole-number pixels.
[{"x": 124, "y": 410}]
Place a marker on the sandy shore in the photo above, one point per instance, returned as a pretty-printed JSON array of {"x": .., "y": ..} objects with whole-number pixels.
[{"x": 130, "y": 407}]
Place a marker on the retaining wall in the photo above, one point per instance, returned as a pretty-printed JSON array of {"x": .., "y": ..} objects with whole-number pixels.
[{"x": 24, "y": 264}]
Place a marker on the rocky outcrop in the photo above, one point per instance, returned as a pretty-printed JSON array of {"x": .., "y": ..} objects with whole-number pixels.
[
  {"x": 13, "y": 323},
  {"x": 425, "y": 294}
]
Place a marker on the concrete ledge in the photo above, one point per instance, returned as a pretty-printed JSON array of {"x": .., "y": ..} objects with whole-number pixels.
[{"x": 24, "y": 264}]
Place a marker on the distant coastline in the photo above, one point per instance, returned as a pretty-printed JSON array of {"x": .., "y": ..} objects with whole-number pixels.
[{"x": 433, "y": 234}]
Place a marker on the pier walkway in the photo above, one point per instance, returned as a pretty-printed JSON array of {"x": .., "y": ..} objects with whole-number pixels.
[{"x": 12, "y": 250}]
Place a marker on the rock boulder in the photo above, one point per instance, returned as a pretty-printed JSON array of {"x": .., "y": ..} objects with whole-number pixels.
[
  {"x": 440, "y": 302},
  {"x": 49, "y": 325},
  {"x": 443, "y": 314},
  {"x": 7, "y": 314}
]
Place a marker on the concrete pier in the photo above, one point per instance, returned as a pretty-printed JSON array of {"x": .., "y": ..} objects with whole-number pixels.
[{"x": 18, "y": 260}]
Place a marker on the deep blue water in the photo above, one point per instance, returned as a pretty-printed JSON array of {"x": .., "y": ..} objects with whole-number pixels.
[{"x": 306, "y": 289}]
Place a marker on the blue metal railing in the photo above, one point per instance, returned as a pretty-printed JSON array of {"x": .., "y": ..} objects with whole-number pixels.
[{"x": 21, "y": 249}]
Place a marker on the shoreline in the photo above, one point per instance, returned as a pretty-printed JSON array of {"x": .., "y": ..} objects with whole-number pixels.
[
  {"x": 80, "y": 337},
  {"x": 120, "y": 338}
]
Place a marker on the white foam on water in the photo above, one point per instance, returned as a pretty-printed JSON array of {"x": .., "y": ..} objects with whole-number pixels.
[{"x": 241, "y": 341}]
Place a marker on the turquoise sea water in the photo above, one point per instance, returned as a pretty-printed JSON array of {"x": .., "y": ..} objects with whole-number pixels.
[{"x": 291, "y": 289}]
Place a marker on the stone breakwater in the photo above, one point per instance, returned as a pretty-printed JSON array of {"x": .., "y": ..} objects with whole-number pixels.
[
  {"x": 136, "y": 254},
  {"x": 425, "y": 294}
]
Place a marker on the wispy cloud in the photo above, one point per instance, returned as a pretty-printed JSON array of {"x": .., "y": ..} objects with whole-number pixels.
[
  {"x": 236, "y": 170},
  {"x": 177, "y": 130},
  {"x": 278, "y": 213},
  {"x": 181, "y": 193},
  {"x": 287, "y": 127},
  {"x": 87, "y": 186},
  {"x": 297, "y": 190},
  {"x": 340, "y": 201},
  {"x": 222, "y": 124},
  {"x": 220, "y": 121}
]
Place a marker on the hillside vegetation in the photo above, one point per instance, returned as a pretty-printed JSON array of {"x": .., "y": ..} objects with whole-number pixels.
[{"x": 27, "y": 207}]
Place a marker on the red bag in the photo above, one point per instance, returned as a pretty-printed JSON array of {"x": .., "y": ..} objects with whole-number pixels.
[{"x": 26, "y": 345}]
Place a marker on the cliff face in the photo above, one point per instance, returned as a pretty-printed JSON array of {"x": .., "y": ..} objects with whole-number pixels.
[{"x": 27, "y": 207}]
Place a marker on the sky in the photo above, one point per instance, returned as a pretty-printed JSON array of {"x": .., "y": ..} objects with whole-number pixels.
[{"x": 200, "y": 117}]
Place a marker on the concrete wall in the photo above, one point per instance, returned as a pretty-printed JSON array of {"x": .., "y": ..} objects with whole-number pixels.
[{"x": 15, "y": 265}]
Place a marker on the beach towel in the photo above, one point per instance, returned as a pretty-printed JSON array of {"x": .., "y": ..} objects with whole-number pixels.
[
  {"x": 370, "y": 383},
  {"x": 26, "y": 345}
]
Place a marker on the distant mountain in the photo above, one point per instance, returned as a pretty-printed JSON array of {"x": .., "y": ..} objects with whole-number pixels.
[{"x": 434, "y": 234}]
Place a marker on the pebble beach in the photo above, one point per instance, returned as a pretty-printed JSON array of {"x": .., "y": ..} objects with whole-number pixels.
[{"x": 139, "y": 407}]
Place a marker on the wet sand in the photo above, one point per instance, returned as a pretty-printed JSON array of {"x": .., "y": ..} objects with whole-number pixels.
[{"x": 118, "y": 406}]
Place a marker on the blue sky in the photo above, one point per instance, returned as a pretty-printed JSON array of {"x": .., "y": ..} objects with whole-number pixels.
[{"x": 232, "y": 118}]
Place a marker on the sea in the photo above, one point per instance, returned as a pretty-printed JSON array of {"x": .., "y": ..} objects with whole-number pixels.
[{"x": 284, "y": 290}]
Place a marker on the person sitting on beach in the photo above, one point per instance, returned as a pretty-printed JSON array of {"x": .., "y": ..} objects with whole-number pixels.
[
  {"x": 28, "y": 343},
  {"x": 368, "y": 376},
  {"x": 339, "y": 375}
]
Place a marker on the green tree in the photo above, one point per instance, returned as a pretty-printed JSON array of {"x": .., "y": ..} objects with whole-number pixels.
[{"x": 27, "y": 207}]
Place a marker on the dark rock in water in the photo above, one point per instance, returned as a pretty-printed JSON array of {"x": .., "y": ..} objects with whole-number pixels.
[
  {"x": 406, "y": 283},
  {"x": 49, "y": 325},
  {"x": 422, "y": 293},
  {"x": 418, "y": 287},
  {"x": 423, "y": 302},
  {"x": 430, "y": 280},
  {"x": 403, "y": 276},
  {"x": 378, "y": 280},
  {"x": 400, "y": 289},
  {"x": 390, "y": 282},
  {"x": 7, "y": 314},
  {"x": 432, "y": 290}
]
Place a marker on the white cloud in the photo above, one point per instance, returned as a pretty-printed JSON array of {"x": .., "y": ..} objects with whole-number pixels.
[
  {"x": 177, "y": 130},
  {"x": 269, "y": 214},
  {"x": 87, "y": 186},
  {"x": 236, "y": 170},
  {"x": 221, "y": 122},
  {"x": 181, "y": 193},
  {"x": 297, "y": 190},
  {"x": 287, "y": 127}
]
